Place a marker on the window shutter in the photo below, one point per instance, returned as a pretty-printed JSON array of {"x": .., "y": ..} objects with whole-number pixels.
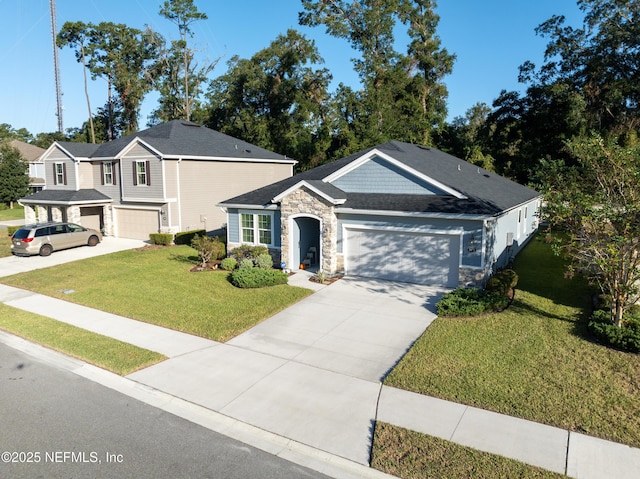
[
  {"x": 55, "y": 175},
  {"x": 148, "y": 170},
  {"x": 135, "y": 174},
  {"x": 113, "y": 173},
  {"x": 64, "y": 173},
  {"x": 102, "y": 173}
]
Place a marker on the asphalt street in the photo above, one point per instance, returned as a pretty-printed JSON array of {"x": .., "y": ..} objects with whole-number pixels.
[{"x": 56, "y": 424}]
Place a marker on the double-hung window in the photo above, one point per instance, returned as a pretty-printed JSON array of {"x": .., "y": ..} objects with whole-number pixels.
[
  {"x": 107, "y": 173},
  {"x": 256, "y": 228},
  {"x": 59, "y": 174},
  {"x": 141, "y": 173}
]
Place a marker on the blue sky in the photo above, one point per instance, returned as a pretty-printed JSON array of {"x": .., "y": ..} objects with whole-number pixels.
[{"x": 491, "y": 38}]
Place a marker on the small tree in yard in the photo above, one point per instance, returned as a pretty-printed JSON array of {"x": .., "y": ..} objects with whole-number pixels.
[
  {"x": 208, "y": 248},
  {"x": 598, "y": 205},
  {"x": 14, "y": 178}
]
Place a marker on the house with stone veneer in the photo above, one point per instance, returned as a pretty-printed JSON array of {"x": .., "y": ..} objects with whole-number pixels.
[
  {"x": 396, "y": 211},
  {"x": 167, "y": 178}
]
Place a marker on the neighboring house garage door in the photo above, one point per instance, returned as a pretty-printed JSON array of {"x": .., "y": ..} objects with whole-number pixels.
[
  {"x": 136, "y": 224},
  {"x": 403, "y": 256},
  {"x": 91, "y": 217}
]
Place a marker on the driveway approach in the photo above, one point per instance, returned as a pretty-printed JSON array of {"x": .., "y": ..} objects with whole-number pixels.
[{"x": 312, "y": 372}]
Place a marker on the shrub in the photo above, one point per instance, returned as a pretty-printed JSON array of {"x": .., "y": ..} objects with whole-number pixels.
[
  {"x": 502, "y": 282},
  {"x": 264, "y": 261},
  {"x": 208, "y": 248},
  {"x": 164, "y": 239},
  {"x": 248, "y": 251},
  {"x": 245, "y": 263},
  {"x": 470, "y": 302},
  {"x": 12, "y": 229},
  {"x": 257, "y": 277},
  {"x": 625, "y": 338},
  {"x": 186, "y": 237},
  {"x": 228, "y": 264}
]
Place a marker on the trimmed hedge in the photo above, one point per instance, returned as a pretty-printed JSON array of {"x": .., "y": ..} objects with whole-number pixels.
[
  {"x": 228, "y": 264},
  {"x": 257, "y": 277},
  {"x": 471, "y": 302},
  {"x": 186, "y": 237},
  {"x": 247, "y": 251},
  {"x": 625, "y": 338},
  {"x": 502, "y": 282},
  {"x": 164, "y": 239},
  {"x": 264, "y": 261}
]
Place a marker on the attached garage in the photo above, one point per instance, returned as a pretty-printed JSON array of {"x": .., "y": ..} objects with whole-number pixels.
[
  {"x": 404, "y": 256},
  {"x": 136, "y": 223},
  {"x": 91, "y": 217}
]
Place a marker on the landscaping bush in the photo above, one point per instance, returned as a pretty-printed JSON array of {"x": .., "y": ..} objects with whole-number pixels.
[
  {"x": 257, "y": 277},
  {"x": 208, "y": 248},
  {"x": 245, "y": 263},
  {"x": 502, "y": 282},
  {"x": 264, "y": 261},
  {"x": 625, "y": 338},
  {"x": 12, "y": 229},
  {"x": 186, "y": 237},
  {"x": 247, "y": 251},
  {"x": 164, "y": 239},
  {"x": 470, "y": 302},
  {"x": 228, "y": 264}
]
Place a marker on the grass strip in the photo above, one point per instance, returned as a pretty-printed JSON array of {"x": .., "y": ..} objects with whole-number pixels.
[
  {"x": 412, "y": 455},
  {"x": 102, "y": 351}
]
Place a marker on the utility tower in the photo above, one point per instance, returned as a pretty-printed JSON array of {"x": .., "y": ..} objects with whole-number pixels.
[{"x": 56, "y": 65}]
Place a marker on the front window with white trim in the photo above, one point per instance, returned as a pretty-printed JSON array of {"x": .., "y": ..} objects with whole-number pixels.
[
  {"x": 107, "y": 173},
  {"x": 256, "y": 228},
  {"x": 141, "y": 172},
  {"x": 59, "y": 171}
]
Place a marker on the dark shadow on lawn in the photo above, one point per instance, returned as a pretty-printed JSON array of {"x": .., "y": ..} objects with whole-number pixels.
[{"x": 184, "y": 258}]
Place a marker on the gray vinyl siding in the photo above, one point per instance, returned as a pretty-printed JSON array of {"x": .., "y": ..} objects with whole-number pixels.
[
  {"x": 513, "y": 225},
  {"x": 380, "y": 176},
  {"x": 154, "y": 191},
  {"x": 59, "y": 157},
  {"x": 471, "y": 228},
  {"x": 112, "y": 191}
]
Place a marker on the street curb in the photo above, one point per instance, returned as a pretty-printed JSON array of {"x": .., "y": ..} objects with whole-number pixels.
[{"x": 290, "y": 450}]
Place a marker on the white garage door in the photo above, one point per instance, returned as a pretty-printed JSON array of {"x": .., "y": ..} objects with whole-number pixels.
[
  {"x": 136, "y": 224},
  {"x": 403, "y": 256}
]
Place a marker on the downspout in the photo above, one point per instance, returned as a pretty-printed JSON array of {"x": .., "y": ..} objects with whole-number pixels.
[{"x": 179, "y": 194}]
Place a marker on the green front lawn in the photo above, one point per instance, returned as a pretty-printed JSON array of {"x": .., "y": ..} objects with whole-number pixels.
[
  {"x": 108, "y": 353},
  {"x": 156, "y": 286},
  {"x": 535, "y": 360},
  {"x": 17, "y": 213},
  {"x": 5, "y": 244}
]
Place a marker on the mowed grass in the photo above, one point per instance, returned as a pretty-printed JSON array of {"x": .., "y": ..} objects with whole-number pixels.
[
  {"x": 5, "y": 244},
  {"x": 535, "y": 360},
  {"x": 17, "y": 213},
  {"x": 107, "y": 353},
  {"x": 412, "y": 455},
  {"x": 156, "y": 286}
]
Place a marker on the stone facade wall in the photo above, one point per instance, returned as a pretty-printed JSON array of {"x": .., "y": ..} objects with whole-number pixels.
[
  {"x": 305, "y": 202},
  {"x": 472, "y": 277}
]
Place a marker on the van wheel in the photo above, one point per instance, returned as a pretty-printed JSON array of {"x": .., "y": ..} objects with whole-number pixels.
[
  {"x": 93, "y": 240},
  {"x": 46, "y": 250}
]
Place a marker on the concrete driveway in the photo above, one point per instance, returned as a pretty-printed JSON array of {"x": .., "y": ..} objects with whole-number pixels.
[
  {"x": 311, "y": 372},
  {"x": 19, "y": 264}
]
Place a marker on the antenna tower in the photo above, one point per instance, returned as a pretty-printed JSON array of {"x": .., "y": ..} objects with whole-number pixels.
[{"x": 56, "y": 64}]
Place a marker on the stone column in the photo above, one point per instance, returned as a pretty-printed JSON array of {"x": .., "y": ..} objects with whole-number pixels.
[{"x": 29, "y": 214}]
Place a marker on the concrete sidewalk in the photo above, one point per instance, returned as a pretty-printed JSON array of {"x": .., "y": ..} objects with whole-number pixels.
[{"x": 266, "y": 384}]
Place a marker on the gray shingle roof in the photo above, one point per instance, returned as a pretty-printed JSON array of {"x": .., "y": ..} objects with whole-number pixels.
[
  {"x": 66, "y": 196},
  {"x": 187, "y": 139},
  {"x": 486, "y": 192}
]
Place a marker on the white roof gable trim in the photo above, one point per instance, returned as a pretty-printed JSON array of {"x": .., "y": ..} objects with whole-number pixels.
[
  {"x": 57, "y": 146},
  {"x": 377, "y": 153},
  {"x": 335, "y": 201},
  {"x": 133, "y": 143}
]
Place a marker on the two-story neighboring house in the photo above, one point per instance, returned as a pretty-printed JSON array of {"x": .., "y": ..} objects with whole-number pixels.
[
  {"x": 33, "y": 155},
  {"x": 167, "y": 178}
]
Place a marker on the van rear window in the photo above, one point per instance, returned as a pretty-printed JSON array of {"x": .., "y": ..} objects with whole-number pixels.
[{"x": 21, "y": 233}]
